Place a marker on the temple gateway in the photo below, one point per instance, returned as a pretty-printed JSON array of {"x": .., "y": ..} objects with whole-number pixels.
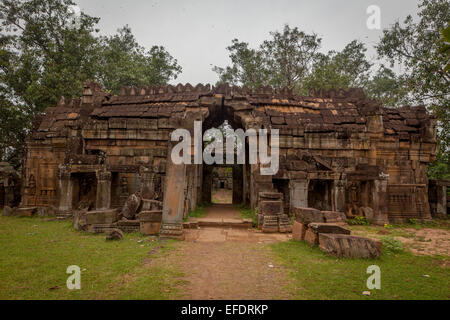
[{"x": 108, "y": 157}]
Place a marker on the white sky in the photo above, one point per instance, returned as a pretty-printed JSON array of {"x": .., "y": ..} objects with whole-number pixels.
[{"x": 197, "y": 33}]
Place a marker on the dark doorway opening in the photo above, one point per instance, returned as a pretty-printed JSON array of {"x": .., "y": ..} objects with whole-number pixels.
[
  {"x": 319, "y": 194},
  {"x": 84, "y": 192}
]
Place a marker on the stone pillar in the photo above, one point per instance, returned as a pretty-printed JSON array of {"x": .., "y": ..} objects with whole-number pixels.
[
  {"x": 238, "y": 184},
  {"x": 65, "y": 188},
  {"x": 298, "y": 193},
  {"x": 207, "y": 183},
  {"x": 338, "y": 196},
  {"x": 174, "y": 196},
  {"x": 103, "y": 199},
  {"x": 441, "y": 203},
  {"x": 147, "y": 184},
  {"x": 380, "y": 200}
]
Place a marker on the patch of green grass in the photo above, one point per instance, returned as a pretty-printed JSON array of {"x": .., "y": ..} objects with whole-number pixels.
[
  {"x": 36, "y": 252},
  {"x": 197, "y": 213},
  {"x": 319, "y": 276},
  {"x": 247, "y": 213}
]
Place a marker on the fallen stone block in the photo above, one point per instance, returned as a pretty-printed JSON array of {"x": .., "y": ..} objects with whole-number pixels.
[
  {"x": 298, "y": 231},
  {"x": 25, "y": 212},
  {"x": 101, "y": 216},
  {"x": 7, "y": 211},
  {"x": 115, "y": 234},
  {"x": 342, "y": 245},
  {"x": 311, "y": 237},
  {"x": 270, "y": 196},
  {"x": 150, "y": 222},
  {"x": 319, "y": 227},
  {"x": 334, "y": 216},
  {"x": 307, "y": 215}
]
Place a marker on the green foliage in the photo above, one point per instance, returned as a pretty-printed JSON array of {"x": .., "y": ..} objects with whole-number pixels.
[
  {"x": 198, "y": 212},
  {"x": 420, "y": 49},
  {"x": 345, "y": 69},
  {"x": 391, "y": 245},
  {"x": 248, "y": 213},
  {"x": 47, "y": 51},
  {"x": 361, "y": 221},
  {"x": 122, "y": 61},
  {"x": 282, "y": 61}
]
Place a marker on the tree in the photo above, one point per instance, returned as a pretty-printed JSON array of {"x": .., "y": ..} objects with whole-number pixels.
[
  {"x": 122, "y": 61},
  {"x": 387, "y": 87},
  {"x": 345, "y": 69},
  {"x": 283, "y": 61},
  {"x": 48, "y": 50},
  {"x": 416, "y": 46}
]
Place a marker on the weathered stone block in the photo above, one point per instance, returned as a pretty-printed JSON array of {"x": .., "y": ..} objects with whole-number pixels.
[
  {"x": 334, "y": 216},
  {"x": 101, "y": 216},
  {"x": 25, "y": 212},
  {"x": 271, "y": 207},
  {"x": 343, "y": 245},
  {"x": 7, "y": 211},
  {"x": 298, "y": 231},
  {"x": 311, "y": 237},
  {"x": 319, "y": 227},
  {"x": 115, "y": 234},
  {"x": 307, "y": 215}
]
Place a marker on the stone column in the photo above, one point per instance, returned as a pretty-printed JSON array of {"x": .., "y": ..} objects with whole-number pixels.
[
  {"x": 174, "y": 196},
  {"x": 338, "y": 196},
  {"x": 103, "y": 200},
  {"x": 238, "y": 184},
  {"x": 380, "y": 200},
  {"x": 65, "y": 188},
  {"x": 298, "y": 193},
  {"x": 147, "y": 184}
]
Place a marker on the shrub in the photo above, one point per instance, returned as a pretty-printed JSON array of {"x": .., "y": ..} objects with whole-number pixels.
[
  {"x": 391, "y": 245},
  {"x": 362, "y": 221}
]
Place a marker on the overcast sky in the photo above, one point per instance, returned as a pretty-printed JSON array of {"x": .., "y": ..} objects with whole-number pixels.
[{"x": 197, "y": 32}]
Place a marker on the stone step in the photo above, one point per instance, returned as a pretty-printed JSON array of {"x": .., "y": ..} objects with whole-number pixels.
[{"x": 221, "y": 223}]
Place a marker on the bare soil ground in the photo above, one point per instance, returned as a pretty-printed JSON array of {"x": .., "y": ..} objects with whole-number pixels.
[
  {"x": 222, "y": 196},
  {"x": 224, "y": 263},
  {"x": 425, "y": 241}
]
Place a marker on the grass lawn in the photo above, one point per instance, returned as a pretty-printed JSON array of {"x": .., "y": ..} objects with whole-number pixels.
[
  {"x": 35, "y": 254},
  {"x": 318, "y": 276}
]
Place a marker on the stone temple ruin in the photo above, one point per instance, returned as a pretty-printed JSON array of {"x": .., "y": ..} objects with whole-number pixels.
[{"x": 104, "y": 157}]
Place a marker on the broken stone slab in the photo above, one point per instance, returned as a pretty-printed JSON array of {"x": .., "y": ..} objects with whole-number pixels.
[
  {"x": 298, "y": 231},
  {"x": 343, "y": 245},
  {"x": 307, "y": 215},
  {"x": 150, "y": 216},
  {"x": 7, "y": 211},
  {"x": 320, "y": 227},
  {"x": 131, "y": 206},
  {"x": 334, "y": 217},
  {"x": 115, "y": 234},
  {"x": 150, "y": 205},
  {"x": 150, "y": 222},
  {"x": 101, "y": 216},
  {"x": 270, "y": 196},
  {"x": 25, "y": 212},
  {"x": 311, "y": 237}
]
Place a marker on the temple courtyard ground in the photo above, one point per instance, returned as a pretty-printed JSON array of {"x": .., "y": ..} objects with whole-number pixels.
[{"x": 216, "y": 263}]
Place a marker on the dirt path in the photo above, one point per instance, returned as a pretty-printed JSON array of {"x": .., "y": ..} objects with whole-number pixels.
[{"x": 221, "y": 263}]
